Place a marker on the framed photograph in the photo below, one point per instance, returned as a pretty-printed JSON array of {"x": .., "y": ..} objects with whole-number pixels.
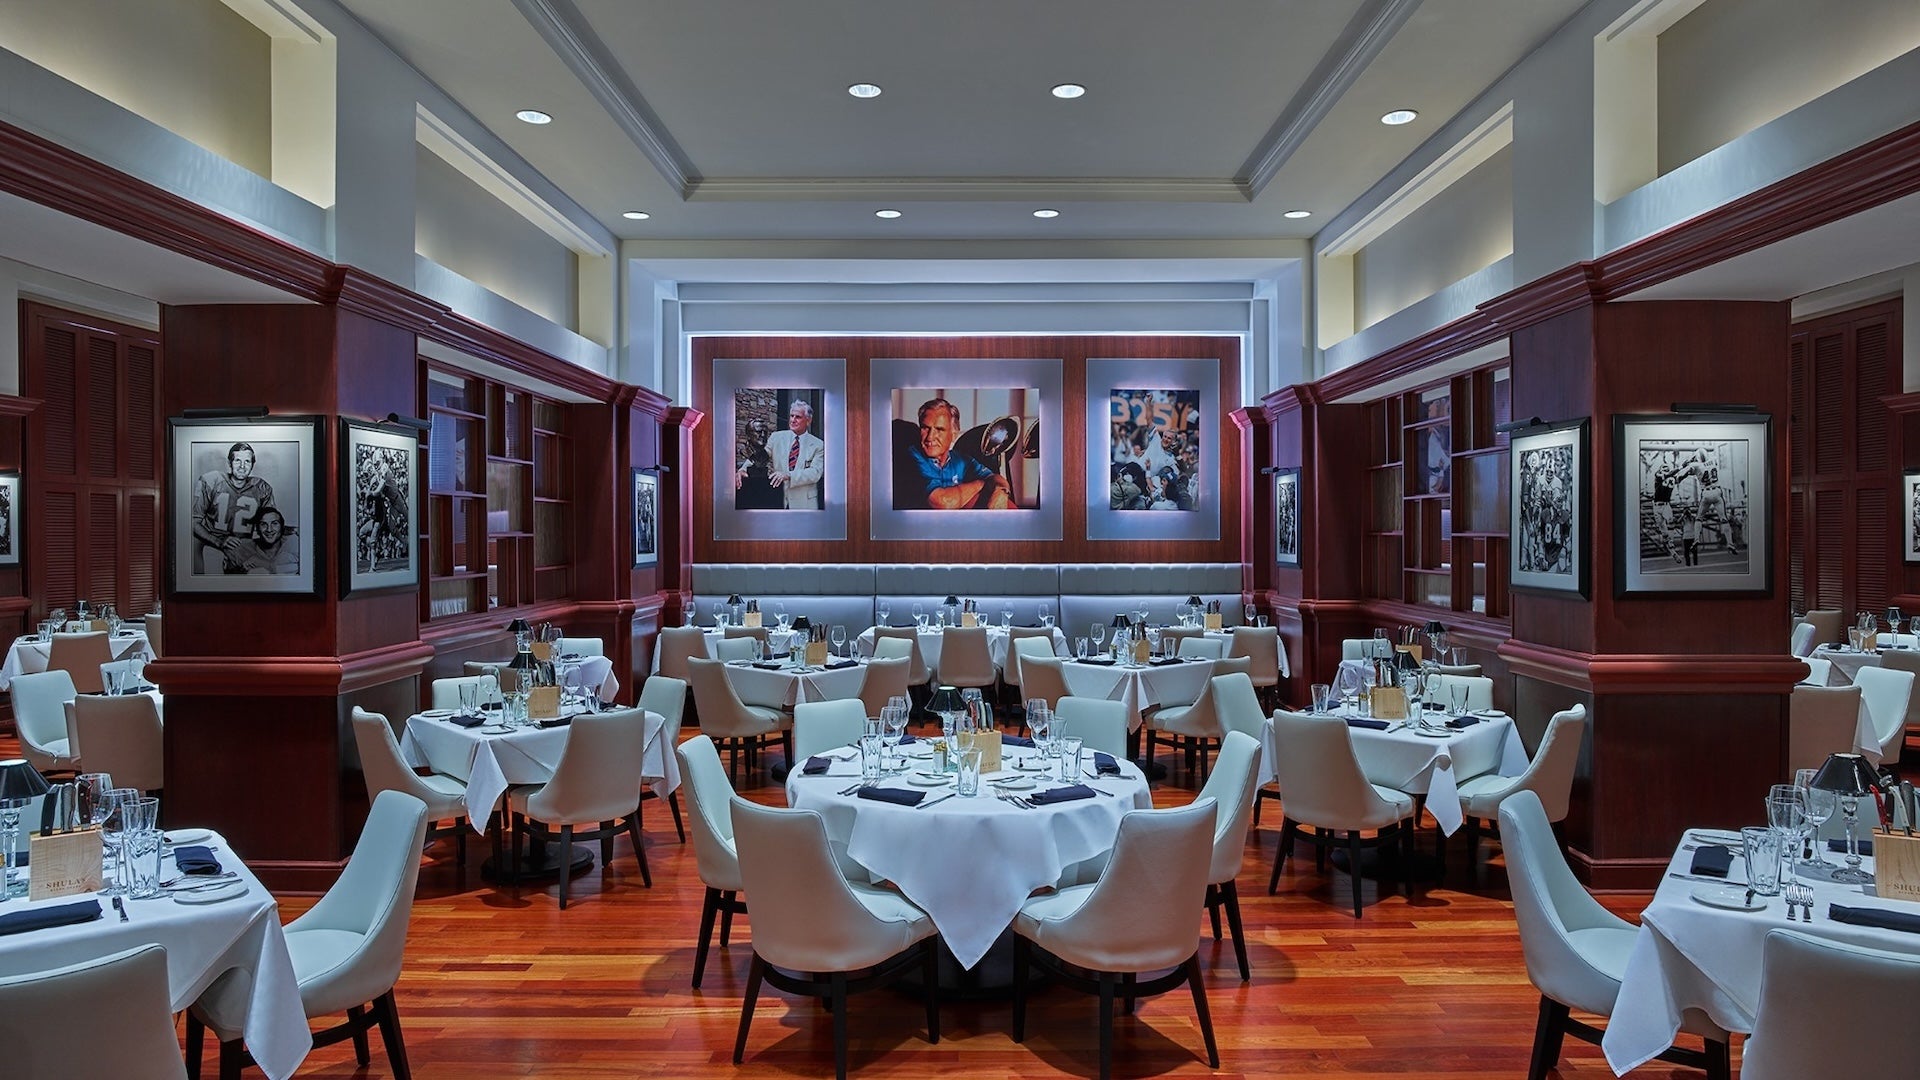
[
  {"x": 1547, "y": 495},
  {"x": 779, "y": 449},
  {"x": 1691, "y": 504},
  {"x": 12, "y": 519},
  {"x": 646, "y": 517},
  {"x": 243, "y": 512},
  {"x": 1909, "y": 517},
  {"x": 1286, "y": 517},
  {"x": 966, "y": 449},
  {"x": 380, "y": 502},
  {"x": 1153, "y": 466}
]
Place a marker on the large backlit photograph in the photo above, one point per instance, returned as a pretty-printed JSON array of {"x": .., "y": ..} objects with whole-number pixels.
[{"x": 966, "y": 449}]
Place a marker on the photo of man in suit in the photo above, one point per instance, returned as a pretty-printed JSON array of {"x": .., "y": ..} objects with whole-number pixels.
[
  {"x": 780, "y": 463},
  {"x": 799, "y": 459}
]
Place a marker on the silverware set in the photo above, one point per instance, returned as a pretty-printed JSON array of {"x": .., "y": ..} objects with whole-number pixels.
[
  {"x": 1010, "y": 797},
  {"x": 1800, "y": 896},
  {"x": 194, "y": 884}
]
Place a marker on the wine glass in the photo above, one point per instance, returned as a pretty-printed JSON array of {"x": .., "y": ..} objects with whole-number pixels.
[
  {"x": 1006, "y": 616},
  {"x": 1153, "y": 640},
  {"x": 1251, "y": 612},
  {"x": 1098, "y": 635},
  {"x": 885, "y": 611},
  {"x": 781, "y": 616},
  {"x": 839, "y": 638},
  {"x": 1039, "y": 721},
  {"x": 686, "y": 613},
  {"x": 920, "y": 616},
  {"x": 1820, "y": 806},
  {"x": 894, "y": 719},
  {"x": 1046, "y": 613}
]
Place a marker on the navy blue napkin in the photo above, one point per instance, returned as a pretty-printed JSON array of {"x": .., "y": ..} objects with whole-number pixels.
[
  {"x": 1062, "y": 794},
  {"x": 195, "y": 859},
  {"x": 1459, "y": 722},
  {"x": 1712, "y": 860},
  {"x": 490, "y": 706},
  {"x": 1880, "y": 917},
  {"x": 467, "y": 721},
  {"x": 906, "y": 737},
  {"x": 817, "y": 765},
  {"x": 1866, "y": 846},
  {"x": 21, "y": 922},
  {"x": 1102, "y": 662},
  {"x": 1016, "y": 740},
  {"x": 770, "y": 665},
  {"x": 555, "y": 721},
  {"x": 1104, "y": 765},
  {"x": 1165, "y": 660},
  {"x": 836, "y": 665},
  {"x": 1372, "y": 725},
  {"x": 893, "y": 795}
]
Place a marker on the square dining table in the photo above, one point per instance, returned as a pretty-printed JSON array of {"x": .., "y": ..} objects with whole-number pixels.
[
  {"x": 1139, "y": 688},
  {"x": 29, "y": 655},
  {"x": 1430, "y": 764}
]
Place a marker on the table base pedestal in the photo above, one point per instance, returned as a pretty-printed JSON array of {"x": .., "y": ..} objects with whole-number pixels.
[
  {"x": 1379, "y": 865},
  {"x": 991, "y": 978},
  {"x": 538, "y": 862}
]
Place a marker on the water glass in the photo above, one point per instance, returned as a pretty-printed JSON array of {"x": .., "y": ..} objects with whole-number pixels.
[
  {"x": 1321, "y": 692},
  {"x": 113, "y": 831},
  {"x": 1067, "y": 769},
  {"x": 969, "y": 777},
  {"x": 46, "y": 631},
  {"x": 516, "y": 710},
  {"x": 141, "y": 849},
  {"x": 1363, "y": 706},
  {"x": 1763, "y": 859},
  {"x": 1080, "y": 647},
  {"x": 1457, "y": 694},
  {"x": 1046, "y": 613},
  {"x": 469, "y": 699},
  {"x": 110, "y": 678},
  {"x": 871, "y": 749}
]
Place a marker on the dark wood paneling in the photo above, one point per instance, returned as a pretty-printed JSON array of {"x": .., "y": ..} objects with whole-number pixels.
[
  {"x": 1069, "y": 486},
  {"x": 1553, "y": 379}
]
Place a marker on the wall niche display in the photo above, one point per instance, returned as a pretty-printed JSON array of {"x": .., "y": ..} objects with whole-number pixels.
[
  {"x": 1691, "y": 508},
  {"x": 1286, "y": 517},
  {"x": 966, "y": 449},
  {"x": 779, "y": 450},
  {"x": 1153, "y": 463},
  {"x": 243, "y": 515},
  {"x": 1547, "y": 513}
]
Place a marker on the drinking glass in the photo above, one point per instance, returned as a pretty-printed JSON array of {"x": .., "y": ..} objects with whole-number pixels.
[
  {"x": 141, "y": 845},
  {"x": 1321, "y": 692},
  {"x": 1251, "y": 613},
  {"x": 1046, "y": 613},
  {"x": 1820, "y": 807},
  {"x": 1068, "y": 768},
  {"x": 469, "y": 699},
  {"x": 113, "y": 831},
  {"x": 871, "y": 749},
  {"x": 686, "y": 613},
  {"x": 1363, "y": 706},
  {"x": 46, "y": 630},
  {"x": 1097, "y": 635},
  {"x": 1457, "y": 693},
  {"x": 839, "y": 638},
  {"x": 920, "y": 616},
  {"x": 885, "y": 611},
  {"x": 1763, "y": 859},
  {"x": 969, "y": 779},
  {"x": 901, "y": 701},
  {"x": 721, "y": 616},
  {"x": 516, "y": 710},
  {"x": 1006, "y": 617},
  {"x": 92, "y": 788},
  {"x": 138, "y": 669},
  {"x": 1080, "y": 647},
  {"x": 1153, "y": 640},
  {"x": 894, "y": 719},
  {"x": 1039, "y": 721},
  {"x": 110, "y": 678}
]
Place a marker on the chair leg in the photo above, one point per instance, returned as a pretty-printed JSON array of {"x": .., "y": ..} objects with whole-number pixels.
[
  {"x": 1320, "y": 851},
  {"x": 1353, "y": 868},
  {"x": 1547, "y": 1034},
  {"x": 1259, "y": 796},
  {"x": 708, "y": 909},
  {"x": 606, "y": 843},
  {"x": 357, "y": 1016},
  {"x": 388, "y": 1015},
  {"x": 930, "y": 979},
  {"x": 1020, "y": 948},
  {"x": 1719, "y": 1060},
  {"x": 1230, "y": 898},
  {"x": 639, "y": 849},
  {"x": 566, "y": 863},
  {"x": 837, "y": 984},
  {"x": 460, "y": 847},
  {"x": 233, "y": 1059},
  {"x": 1213, "y": 910},
  {"x": 726, "y": 922},
  {"x": 1286, "y": 850},
  {"x": 196, "y": 1045},
  {"x": 754, "y": 974},
  {"x": 1127, "y": 995},
  {"x": 673, "y": 804},
  {"x": 1107, "y": 979},
  {"x": 1200, "y": 1007}
]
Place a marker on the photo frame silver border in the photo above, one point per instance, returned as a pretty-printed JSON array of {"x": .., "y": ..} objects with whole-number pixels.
[
  {"x": 15, "y": 486},
  {"x": 1628, "y": 432},
  {"x": 309, "y": 432},
  {"x": 1577, "y": 434},
  {"x": 352, "y": 581},
  {"x": 1041, "y": 523},
  {"x": 1282, "y": 478},
  {"x": 826, "y": 375},
  {"x": 1107, "y": 375},
  {"x": 650, "y": 478}
]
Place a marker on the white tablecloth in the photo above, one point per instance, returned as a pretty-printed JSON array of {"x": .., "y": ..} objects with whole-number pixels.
[
  {"x": 1138, "y": 688},
  {"x": 970, "y": 863},
  {"x": 28, "y": 656},
  {"x": 1689, "y": 955},
  {"x": 930, "y": 641},
  {"x": 203, "y": 942},
  {"x": 1423, "y": 765},
  {"x": 491, "y": 763},
  {"x": 779, "y": 640},
  {"x": 588, "y": 673},
  {"x": 783, "y": 687}
]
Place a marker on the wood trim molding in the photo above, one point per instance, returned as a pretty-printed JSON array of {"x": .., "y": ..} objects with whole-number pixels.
[
  {"x": 11, "y": 406},
  {"x": 685, "y": 417},
  {"x": 1616, "y": 875},
  {"x": 1654, "y": 673},
  {"x": 289, "y": 676}
]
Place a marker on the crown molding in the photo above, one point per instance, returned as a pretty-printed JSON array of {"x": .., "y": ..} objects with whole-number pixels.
[
  {"x": 967, "y": 189},
  {"x": 439, "y": 137}
]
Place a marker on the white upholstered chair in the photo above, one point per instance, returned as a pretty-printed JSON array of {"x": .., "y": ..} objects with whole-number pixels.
[
  {"x": 1821, "y": 720},
  {"x": 1207, "y": 648},
  {"x": 121, "y": 736},
  {"x": 1549, "y": 776},
  {"x": 1907, "y": 660},
  {"x": 1354, "y": 648},
  {"x": 1010, "y": 671},
  {"x": 884, "y": 679},
  {"x": 1323, "y": 789},
  {"x": 738, "y": 647},
  {"x": 104, "y": 1017},
  {"x": 596, "y": 783},
  {"x": 1196, "y": 727},
  {"x": 347, "y": 949},
  {"x": 1040, "y": 677},
  {"x": 1801, "y": 642},
  {"x": 1813, "y": 988},
  {"x": 708, "y": 795},
  {"x": 1138, "y": 917},
  {"x": 819, "y": 726},
  {"x": 1101, "y": 725},
  {"x": 582, "y": 646},
  {"x": 446, "y": 692},
  {"x": 1819, "y": 670},
  {"x": 1479, "y": 691},
  {"x": 841, "y": 929},
  {"x": 965, "y": 659},
  {"x": 384, "y": 769},
  {"x": 675, "y": 646},
  {"x": 40, "y": 719},
  {"x": 1231, "y": 789},
  {"x": 1886, "y": 692},
  {"x": 918, "y": 674},
  {"x": 582, "y": 677},
  {"x": 761, "y": 634},
  {"x": 730, "y": 722},
  {"x": 668, "y": 697},
  {"x": 156, "y": 635},
  {"x": 1261, "y": 646},
  {"x": 80, "y": 655},
  {"x": 1575, "y": 949}
]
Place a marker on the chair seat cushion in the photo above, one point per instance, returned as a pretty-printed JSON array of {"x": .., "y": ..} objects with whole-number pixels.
[
  {"x": 1401, "y": 802},
  {"x": 55, "y": 755},
  {"x": 887, "y": 905},
  {"x": 1480, "y": 797},
  {"x": 1174, "y": 720},
  {"x": 1050, "y": 907},
  {"x": 772, "y": 716},
  {"x": 444, "y": 784},
  {"x": 321, "y": 963},
  {"x": 1605, "y": 947},
  {"x": 517, "y": 796}
]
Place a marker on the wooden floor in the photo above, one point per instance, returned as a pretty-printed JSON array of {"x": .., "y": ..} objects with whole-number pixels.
[{"x": 501, "y": 983}]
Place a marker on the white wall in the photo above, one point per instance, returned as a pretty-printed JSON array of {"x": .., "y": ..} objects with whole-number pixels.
[
  {"x": 461, "y": 227},
  {"x": 1462, "y": 229}
]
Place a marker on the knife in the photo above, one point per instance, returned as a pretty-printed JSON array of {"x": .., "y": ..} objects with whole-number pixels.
[
  {"x": 931, "y": 802},
  {"x": 1912, "y": 807}
]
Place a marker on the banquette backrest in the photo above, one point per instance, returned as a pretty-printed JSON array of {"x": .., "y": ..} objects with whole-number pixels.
[
  {"x": 1022, "y": 586},
  {"x": 826, "y": 593},
  {"x": 1097, "y": 592}
]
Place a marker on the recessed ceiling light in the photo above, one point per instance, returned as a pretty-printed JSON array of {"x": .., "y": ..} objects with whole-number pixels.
[
  {"x": 864, "y": 90},
  {"x": 1069, "y": 90},
  {"x": 534, "y": 116},
  {"x": 887, "y": 214},
  {"x": 636, "y": 215},
  {"x": 1399, "y": 116},
  {"x": 1046, "y": 213},
  {"x": 1296, "y": 215}
]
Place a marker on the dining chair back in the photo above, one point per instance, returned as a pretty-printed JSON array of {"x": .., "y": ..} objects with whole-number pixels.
[
  {"x": 1172, "y": 636},
  {"x": 587, "y": 676},
  {"x": 1887, "y": 692},
  {"x": 598, "y": 775},
  {"x": 1549, "y": 776},
  {"x": 446, "y": 692},
  {"x": 676, "y": 645},
  {"x": 1907, "y": 660},
  {"x": 1101, "y": 725},
  {"x": 581, "y": 646},
  {"x": 709, "y": 794},
  {"x": 1354, "y": 648},
  {"x": 40, "y": 719},
  {"x": 1261, "y": 646},
  {"x": 918, "y": 674},
  {"x": 1454, "y": 669},
  {"x": 1322, "y": 778},
  {"x": 758, "y": 633},
  {"x": 1041, "y": 678},
  {"x": 475, "y": 668},
  {"x": 1010, "y": 671},
  {"x": 80, "y": 656},
  {"x": 739, "y": 647},
  {"x": 1813, "y": 988},
  {"x": 1820, "y": 669},
  {"x": 347, "y": 949},
  {"x": 109, "y": 1016},
  {"x": 819, "y": 726},
  {"x": 1237, "y": 704},
  {"x": 1479, "y": 691},
  {"x": 1821, "y": 720},
  {"x": 385, "y": 769},
  {"x": 1209, "y": 648},
  {"x": 156, "y": 636},
  {"x": 1231, "y": 787},
  {"x": 1800, "y": 642},
  {"x": 965, "y": 659},
  {"x": 884, "y": 679},
  {"x": 1829, "y": 626},
  {"x": 722, "y": 714},
  {"x": 120, "y": 736},
  {"x": 667, "y": 696}
]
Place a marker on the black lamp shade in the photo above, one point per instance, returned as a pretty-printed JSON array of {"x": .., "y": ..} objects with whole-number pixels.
[
  {"x": 519, "y": 626},
  {"x": 1194, "y": 600},
  {"x": 951, "y": 601},
  {"x": 20, "y": 781},
  {"x": 1120, "y": 620},
  {"x": 802, "y": 623},
  {"x": 1434, "y": 627},
  {"x": 946, "y": 700},
  {"x": 733, "y": 599},
  {"x": 1894, "y": 615},
  {"x": 1846, "y": 774}
]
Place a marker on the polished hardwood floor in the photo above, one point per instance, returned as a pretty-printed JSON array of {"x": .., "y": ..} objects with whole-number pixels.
[{"x": 500, "y": 983}]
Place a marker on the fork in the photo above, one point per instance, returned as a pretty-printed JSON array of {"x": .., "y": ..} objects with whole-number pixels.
[{"x": 1806, "y": 902}]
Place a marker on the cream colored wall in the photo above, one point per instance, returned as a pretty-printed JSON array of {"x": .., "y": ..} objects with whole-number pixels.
[
  {"x": 1463, "y": 229},
  {"x": 191, "y": 66},
  {"x": 1732, "y": 65},
  {"x": 460, "y": 226}
]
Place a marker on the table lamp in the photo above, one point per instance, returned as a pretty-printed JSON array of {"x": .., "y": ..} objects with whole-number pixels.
[
  {"x": 20, "y": 783},
  {"x": 1851, "y": 778},
  {"x": 950, "y": 707},
  {"x": 1437, "y": 638}
]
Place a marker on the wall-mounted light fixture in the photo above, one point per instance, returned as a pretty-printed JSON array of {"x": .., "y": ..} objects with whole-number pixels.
[
  {"x": 413, "y": 422},
  {"x": 1519, "y": 425}
]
